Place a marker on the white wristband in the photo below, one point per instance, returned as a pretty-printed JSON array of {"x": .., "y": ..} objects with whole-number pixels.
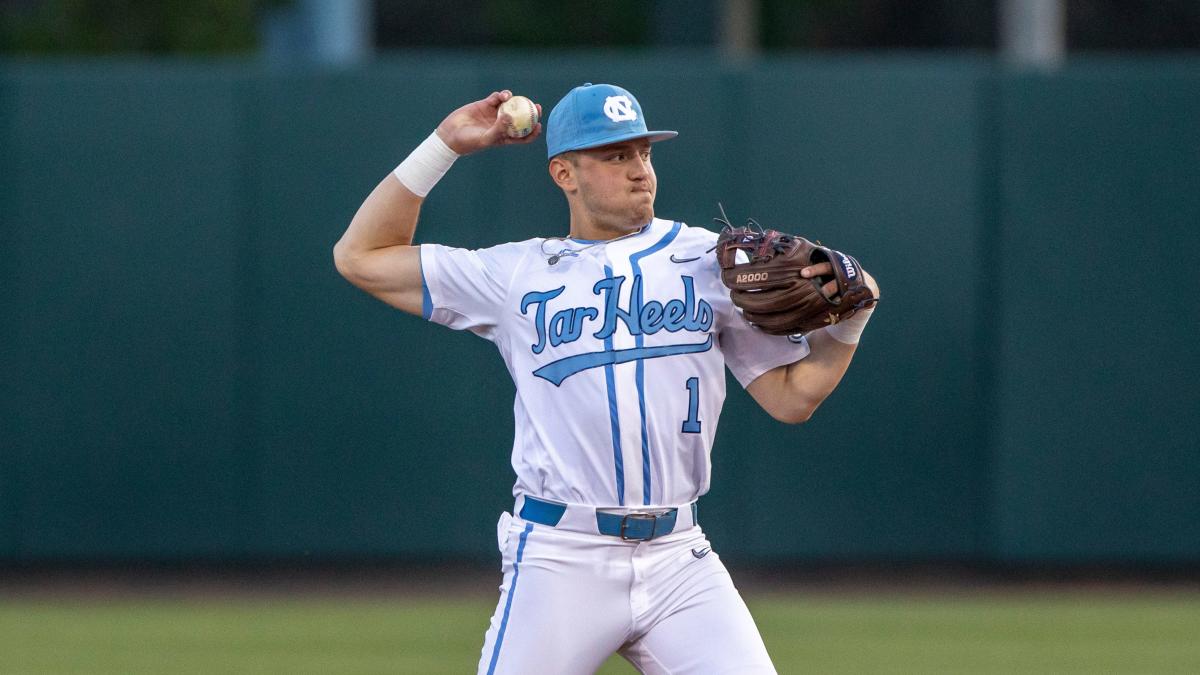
[
  {"x": 426, "y": 165},
  {"x": 849, "y": 331}
]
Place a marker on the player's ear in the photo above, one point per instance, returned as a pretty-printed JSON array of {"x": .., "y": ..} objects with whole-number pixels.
[{"x": 562, "y": 172}]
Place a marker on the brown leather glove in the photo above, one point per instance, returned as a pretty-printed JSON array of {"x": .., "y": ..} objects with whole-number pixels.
[{"x": 769, "y": 289}]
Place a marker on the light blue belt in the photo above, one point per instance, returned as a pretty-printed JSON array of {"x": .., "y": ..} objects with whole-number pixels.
[{"x": 633, "y": 526}]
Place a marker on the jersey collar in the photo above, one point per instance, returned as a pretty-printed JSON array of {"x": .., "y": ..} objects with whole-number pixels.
[{"x": 645, "y": 230}]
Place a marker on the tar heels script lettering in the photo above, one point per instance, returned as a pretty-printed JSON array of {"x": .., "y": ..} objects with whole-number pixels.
[{"x": 641, "y": 318}]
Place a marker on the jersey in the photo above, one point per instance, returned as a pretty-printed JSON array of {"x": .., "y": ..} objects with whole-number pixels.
[{"x": 618, "y": 352}]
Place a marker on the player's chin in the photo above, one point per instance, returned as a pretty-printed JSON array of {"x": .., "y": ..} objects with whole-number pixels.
[
  {"x": 642, "y": 216},
  {"x": 643, "y": 207}
]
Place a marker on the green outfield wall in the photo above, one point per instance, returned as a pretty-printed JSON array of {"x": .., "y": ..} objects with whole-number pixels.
[{"x": 185, "y": 376}]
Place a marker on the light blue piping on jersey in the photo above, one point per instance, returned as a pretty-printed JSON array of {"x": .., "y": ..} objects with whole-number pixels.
[
  {"x": 641, "y": 364},
  {"x": 512, "y": 590},
  {"x": 613, "y": 420},
  {"x": 426, "y": 299}
]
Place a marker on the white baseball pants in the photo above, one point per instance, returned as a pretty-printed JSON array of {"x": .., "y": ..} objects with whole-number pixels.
[{"x": 570, "y": 600}]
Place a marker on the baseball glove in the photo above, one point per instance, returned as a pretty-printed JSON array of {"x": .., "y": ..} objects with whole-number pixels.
[{"x": 768, "y": 288}]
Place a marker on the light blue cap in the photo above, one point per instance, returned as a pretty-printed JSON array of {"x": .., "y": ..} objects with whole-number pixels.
[{"x": 592, "y": 115}]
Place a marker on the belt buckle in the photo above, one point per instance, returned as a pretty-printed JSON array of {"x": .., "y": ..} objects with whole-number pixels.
[{"x": 640, "y": 515}]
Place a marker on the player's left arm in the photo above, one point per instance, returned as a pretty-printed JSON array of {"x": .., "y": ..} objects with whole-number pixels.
[{"x": 791, "y": 393}]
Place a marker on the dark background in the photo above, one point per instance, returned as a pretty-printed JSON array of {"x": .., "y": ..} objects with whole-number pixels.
[
  {"x": 232, "y": 26},
  {"x": 186, "y": 378}
]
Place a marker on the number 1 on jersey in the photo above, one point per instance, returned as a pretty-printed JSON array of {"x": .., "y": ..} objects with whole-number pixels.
[{"x": 692, "y": 425}]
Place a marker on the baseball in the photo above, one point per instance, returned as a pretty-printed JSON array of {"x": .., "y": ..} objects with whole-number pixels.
[{"x": 524, "y": 116}]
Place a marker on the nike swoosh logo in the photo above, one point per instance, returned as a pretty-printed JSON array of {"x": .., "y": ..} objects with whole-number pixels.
[
  {"x": 700, "y": 552},
  {"x": 682, "y": 260}
]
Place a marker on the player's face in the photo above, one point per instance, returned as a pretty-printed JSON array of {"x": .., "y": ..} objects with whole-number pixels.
[{"x": 617, "y": 186}]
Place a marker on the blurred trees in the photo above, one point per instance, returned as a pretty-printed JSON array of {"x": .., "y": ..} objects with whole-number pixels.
[
  {"x": 512, "y": 23},
  {"x": 784, "y": 24},
  {"x": 875, "y": 24},
  {"x": 233, "y": 26},
  {"x": 142, "y": 26},
  {"x": 1133, "y": 24}
]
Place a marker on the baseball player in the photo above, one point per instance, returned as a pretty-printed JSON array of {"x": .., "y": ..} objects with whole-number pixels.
[{"x": 617, "y": 335}]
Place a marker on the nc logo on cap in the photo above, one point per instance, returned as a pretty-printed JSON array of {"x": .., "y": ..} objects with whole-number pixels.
[
  {"x": 593, "y": 115},
  {"x": 619, "y": 109}
]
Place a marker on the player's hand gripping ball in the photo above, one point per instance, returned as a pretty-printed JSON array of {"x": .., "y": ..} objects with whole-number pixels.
[
  {"x": 769, "y": 289},
  {"x": 524, "y": 116}
]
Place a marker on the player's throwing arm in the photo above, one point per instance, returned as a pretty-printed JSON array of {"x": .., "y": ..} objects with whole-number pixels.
[{"x": 376, "y": 252}]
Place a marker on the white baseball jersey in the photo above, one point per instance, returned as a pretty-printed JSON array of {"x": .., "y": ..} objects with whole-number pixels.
[{"x": 618, "y": 352}]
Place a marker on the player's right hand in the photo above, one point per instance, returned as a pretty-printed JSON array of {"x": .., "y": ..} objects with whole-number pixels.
[{"x": 479, "y": 125}]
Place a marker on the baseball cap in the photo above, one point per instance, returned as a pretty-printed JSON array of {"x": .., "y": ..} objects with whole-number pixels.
[{"x": 592, "y": 115}]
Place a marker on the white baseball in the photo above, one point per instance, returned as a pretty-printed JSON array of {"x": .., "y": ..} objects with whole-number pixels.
[{"x": 524, "y": 115}]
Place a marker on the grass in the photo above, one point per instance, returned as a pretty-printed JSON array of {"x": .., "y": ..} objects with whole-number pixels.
[{"x": 933, "y": 633}]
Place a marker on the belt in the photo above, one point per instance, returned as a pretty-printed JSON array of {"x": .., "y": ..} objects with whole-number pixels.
[{"x": 631, "y": 525}]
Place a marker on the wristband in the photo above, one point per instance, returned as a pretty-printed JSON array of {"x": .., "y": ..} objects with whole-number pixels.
[
  {"x": 426, "y": 165},
  {"x": 849, "y": 331}
]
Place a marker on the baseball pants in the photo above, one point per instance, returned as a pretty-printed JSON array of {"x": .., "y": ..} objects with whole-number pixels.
[{"x": 569, "y": 600}]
